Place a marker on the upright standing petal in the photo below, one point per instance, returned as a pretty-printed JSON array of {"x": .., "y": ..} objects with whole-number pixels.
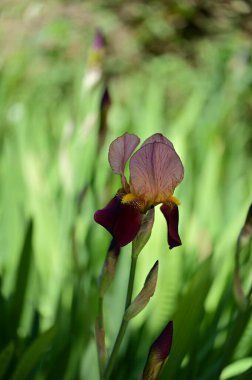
[
  {"x": 123, "y": 221},
  {"x": 158, "y": 137},
  {"x": 120, "y": 151},
  {"x": 155, "y": 171},
  {"x": 171, "y": 215}
]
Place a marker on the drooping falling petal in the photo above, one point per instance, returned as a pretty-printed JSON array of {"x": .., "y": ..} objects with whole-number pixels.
[
  {"x": 120, "y": 151},
  {"x": 123, "y": 221},
  {"x": 171, "y": 215},
  {"x": 155, "y": 171}
]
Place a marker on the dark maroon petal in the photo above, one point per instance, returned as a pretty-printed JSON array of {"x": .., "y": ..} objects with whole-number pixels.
[
  {"x": 123, "y": 221},
  {"x": 162, "y": 345},
  {"x": 107, "y": 216},
  {"x": 171, "y": 215}
]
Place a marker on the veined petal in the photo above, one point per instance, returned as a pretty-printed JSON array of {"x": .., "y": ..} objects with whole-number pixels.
[
  {"x": 155, "y": 171},
  {"x": 123, "y": 221},
  {"x": 158, "y": 137},
  {"x": 171, "y": 215},
  {"x": 120, "y": 151}
]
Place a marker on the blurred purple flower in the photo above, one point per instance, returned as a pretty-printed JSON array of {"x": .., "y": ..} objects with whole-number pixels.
[
  {"x": 99, "y": 40},
  {"x": 95, "y": 61}
]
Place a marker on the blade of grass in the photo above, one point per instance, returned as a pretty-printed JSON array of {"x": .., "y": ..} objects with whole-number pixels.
[
  {"x": 22, "y": 279},
  {"x": 5, "y": 358},
  {"x": 187, "y": 319},
  {"x": 33, "y": 355}
]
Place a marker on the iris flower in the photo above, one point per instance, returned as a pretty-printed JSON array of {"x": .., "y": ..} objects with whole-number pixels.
[{"x": 155, "y": 172}]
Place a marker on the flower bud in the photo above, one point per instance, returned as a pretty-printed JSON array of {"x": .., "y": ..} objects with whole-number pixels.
[
  {"x": 158, "y": 353},
  {"x": 143, "y": 298},
  {"x": 95, "y": 62},
  {"x": 104, "y": 108},
  {"x": 109, "y": 268},
  {"x": 99, "y": 40}
]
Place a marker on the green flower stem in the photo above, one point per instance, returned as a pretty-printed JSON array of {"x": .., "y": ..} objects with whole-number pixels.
[
  {"x": 100, "y": 338},
  {"x": 124, "y": 323}
]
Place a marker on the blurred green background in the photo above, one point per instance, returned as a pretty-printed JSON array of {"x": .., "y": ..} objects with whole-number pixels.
[{"x": 181, "y": 68}]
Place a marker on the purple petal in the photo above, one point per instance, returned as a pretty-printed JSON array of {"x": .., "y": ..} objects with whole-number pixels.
[
  {"x": 158, "y": 137},
  {"x": 120, "y": 151},
  {"x": 123, "y": 221},
  {"x": 171, "y": 215},
  {"x": 155, "y": 171}
]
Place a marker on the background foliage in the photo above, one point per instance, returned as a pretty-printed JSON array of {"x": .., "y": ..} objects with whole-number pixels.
[{"x": 182, "y": 68}]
